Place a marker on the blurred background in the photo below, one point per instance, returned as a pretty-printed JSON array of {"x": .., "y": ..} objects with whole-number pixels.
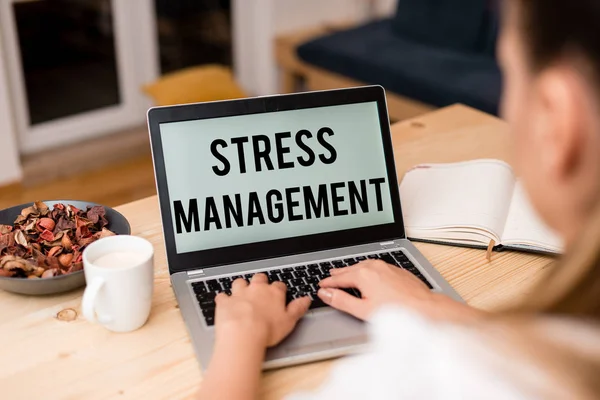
[{"x": 77, "y": 76}]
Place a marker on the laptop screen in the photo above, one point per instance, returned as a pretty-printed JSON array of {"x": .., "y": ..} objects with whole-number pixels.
[{"x": 252, "y": 178}]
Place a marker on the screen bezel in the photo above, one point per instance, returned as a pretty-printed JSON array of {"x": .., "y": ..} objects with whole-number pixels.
[{"x": 280, "y": 247}]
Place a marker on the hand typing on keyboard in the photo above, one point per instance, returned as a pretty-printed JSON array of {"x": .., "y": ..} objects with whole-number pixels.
[
  {"x": 300, "y": 280},
  {"x": 258, "y": 308},
  {"x": 380, "y": 283}
]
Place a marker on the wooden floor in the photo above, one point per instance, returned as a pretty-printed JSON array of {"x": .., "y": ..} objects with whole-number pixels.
[{"x": 111, "y": 186}]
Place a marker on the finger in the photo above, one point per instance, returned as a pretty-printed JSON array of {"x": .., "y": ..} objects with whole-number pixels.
[
  {"x": 348, "y": 280},
  {"x": 297, "y": 308},
  {"x": 220, "y": 297},
  {"x": 366, "y": 263},
  {"x": 344, "y": 302},
  {"x": 339, "y": 271},
  {"x": 238, "y": 284},
  {"x": 259, "y": 278},
  {"x": 404, "y": 274},
  {"x": 280, "y": 285}
]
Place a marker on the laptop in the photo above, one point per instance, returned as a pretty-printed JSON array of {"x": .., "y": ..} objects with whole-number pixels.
[{"x": 292, "y": 186}]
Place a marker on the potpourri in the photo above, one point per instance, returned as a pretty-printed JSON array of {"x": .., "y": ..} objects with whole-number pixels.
[{"x": 43, "y": 243}]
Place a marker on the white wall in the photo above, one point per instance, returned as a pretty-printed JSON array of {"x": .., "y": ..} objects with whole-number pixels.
[
  {"x": 253, "y": 45},
  {"x": 291, "y": 15},
  {"x": 10, "y": 166},
  {"x": 257, "y": 22}
]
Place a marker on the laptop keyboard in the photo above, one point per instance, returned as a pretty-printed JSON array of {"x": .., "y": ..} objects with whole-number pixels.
[{"x": 301, "y": 280}]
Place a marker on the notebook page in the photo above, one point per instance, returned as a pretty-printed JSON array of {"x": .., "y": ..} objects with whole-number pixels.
[
  {"x": 525, "y": 227},
  {"x": 458, "y": 195}
]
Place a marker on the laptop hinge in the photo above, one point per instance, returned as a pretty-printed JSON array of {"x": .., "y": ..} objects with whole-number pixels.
[
  {"x": 196, "y": 272},
  {"x": 390, "y": 243}
]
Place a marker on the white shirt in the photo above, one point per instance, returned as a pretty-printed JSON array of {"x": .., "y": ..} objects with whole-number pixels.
[{"x": 412, "y": 357}]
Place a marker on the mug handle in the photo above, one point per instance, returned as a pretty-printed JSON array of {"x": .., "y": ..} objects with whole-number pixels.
[{"x": 88, "y": 304}]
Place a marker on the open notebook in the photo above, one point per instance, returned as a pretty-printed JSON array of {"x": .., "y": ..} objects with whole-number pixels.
[{"x": 472, "y": 203}]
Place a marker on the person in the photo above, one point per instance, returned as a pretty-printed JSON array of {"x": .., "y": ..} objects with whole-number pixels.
[{"x": 424, "y": 345}]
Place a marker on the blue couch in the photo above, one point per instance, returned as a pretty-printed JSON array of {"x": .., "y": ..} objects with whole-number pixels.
[{"x": 439, "y": 52}]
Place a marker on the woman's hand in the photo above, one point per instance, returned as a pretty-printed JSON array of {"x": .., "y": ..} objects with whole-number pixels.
[
  {"x": 253, "y": 318},
  {"x": 381, "y": 284},
  {"x": 258, "y": 308}
]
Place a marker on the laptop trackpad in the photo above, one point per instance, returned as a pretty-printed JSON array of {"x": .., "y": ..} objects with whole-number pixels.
[{"x": 321, "y": 330}]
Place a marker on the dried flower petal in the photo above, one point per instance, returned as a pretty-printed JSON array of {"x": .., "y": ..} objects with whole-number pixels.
[
  {"x": 30, "y": 227},
  {"x": 77, "y": 266},
  {"x": 80, "y": 222},
  {"x": 65, "y": 224},
  {"x": 5, "y": 229},
  {"x": 42, "y": 208},
  {"x": 65, "y": 259},
  {"x": 66, "y": 243},
  {"x": 87, "y": 240},
  {"x": 54, "y": 251},
  {"x": 11, "y": 263},
  {"x": 16, "y": 251},
  {"x": 48, "y": 273},
  {"x": 52, "y": 262},
  {"x": 26, "y": 212},
  {"x": 106, "y": 233},
  {"x": 41, "y": 261},
  {"x": 82, "y": 232},
  {"x": 47, "y": 235},
  {"x": 74, "y": 209},
  {"x": 95, "y": 213},
  {"x": 11, "y": 239},
  {"x": 48, "y": 245},
  {"x": 45, "y": 224},
  {"x": 6, "y": 273},
  {"x": 8, "y": 239},
  {"x": 20, "y": 238}
]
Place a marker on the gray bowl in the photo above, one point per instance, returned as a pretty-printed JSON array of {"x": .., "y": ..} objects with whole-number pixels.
[{"x": 63, "y": 283}]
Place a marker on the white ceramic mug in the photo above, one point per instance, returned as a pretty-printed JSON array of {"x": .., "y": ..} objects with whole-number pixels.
[{"x": 119, "y": 271}]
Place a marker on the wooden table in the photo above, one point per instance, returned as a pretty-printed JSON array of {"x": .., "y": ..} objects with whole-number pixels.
[{"x": 43, "y": 355}]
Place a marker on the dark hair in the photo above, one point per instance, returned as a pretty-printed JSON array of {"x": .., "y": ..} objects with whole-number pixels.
[{"x": 554, "y": 28}]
